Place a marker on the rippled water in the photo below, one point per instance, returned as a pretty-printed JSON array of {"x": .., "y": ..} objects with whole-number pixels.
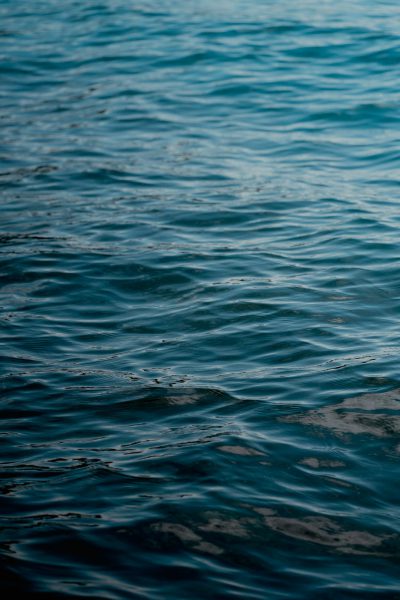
[{"x": 200, "y": 299}]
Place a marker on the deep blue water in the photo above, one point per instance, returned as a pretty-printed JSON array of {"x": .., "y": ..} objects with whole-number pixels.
[{"x": 200, "y": 299}]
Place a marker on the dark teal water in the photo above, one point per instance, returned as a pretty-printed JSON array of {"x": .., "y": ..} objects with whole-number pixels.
[{"x": 200, "y": 301}]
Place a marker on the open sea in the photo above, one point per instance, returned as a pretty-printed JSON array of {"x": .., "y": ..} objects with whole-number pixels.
[{"x": 200, "y": 299}]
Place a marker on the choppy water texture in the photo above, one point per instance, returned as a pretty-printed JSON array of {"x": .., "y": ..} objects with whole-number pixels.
[{"x": 200, "y": 299}]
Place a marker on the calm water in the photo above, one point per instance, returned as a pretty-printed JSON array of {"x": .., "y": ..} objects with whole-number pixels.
[{"x": 199, "y": 237}]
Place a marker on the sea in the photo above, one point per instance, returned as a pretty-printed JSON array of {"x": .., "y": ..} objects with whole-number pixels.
[{"x": 200, "y": 299}]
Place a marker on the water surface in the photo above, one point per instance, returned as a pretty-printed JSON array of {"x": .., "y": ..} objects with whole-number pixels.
[{"x": 199, "y": 297}]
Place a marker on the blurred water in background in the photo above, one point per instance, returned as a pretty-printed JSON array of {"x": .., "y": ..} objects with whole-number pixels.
[{"x": 199, "y": 227}]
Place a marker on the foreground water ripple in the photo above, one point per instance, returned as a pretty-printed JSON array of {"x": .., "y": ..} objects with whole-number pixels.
[{"x": 199, "y": 300}]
